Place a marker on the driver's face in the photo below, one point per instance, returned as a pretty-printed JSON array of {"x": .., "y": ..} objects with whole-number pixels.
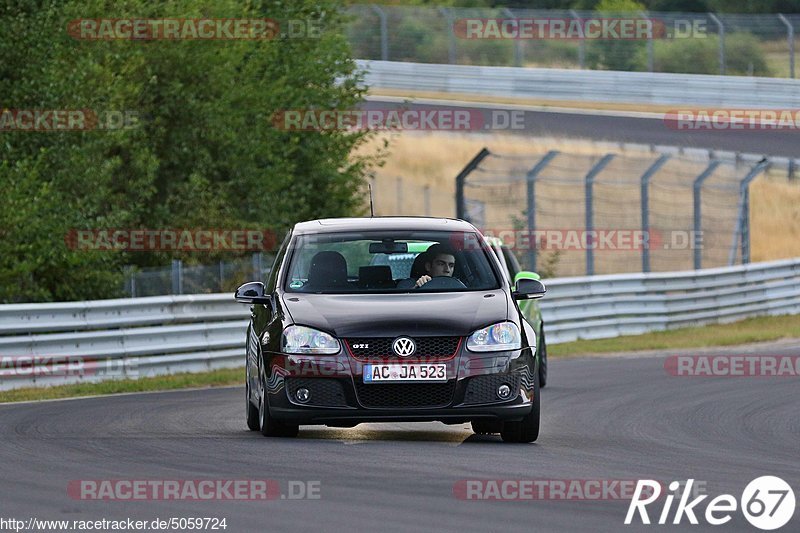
[{"x": 442, "y": 265}]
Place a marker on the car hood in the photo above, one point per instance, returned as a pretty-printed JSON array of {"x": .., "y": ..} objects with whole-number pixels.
[{"x": 388, "y": 315}]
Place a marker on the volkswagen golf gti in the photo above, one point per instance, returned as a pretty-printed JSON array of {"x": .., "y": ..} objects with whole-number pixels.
[{"x": 340, "y": 334}]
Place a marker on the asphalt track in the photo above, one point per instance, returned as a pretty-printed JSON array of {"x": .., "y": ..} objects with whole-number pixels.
[
  {"x": 603, "y": 418},
  {"x": 644, "y": 128}
]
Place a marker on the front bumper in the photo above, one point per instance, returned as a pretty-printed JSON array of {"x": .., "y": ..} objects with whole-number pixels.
[{"x": 338, "y": 395}]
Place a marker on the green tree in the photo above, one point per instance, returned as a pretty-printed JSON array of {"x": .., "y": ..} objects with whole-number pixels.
[{"x": 205, "y": 152}]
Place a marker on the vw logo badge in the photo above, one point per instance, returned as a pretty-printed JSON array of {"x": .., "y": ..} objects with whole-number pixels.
[{"x": 403, "y": 346}]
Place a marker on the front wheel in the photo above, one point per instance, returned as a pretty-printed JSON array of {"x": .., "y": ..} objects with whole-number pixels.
[
  {"x": 253, "y": 423},
  {"x": 269, "y": 426},
  {"x": 542, "y": 359},
  {"x": 527, "y": 429}
]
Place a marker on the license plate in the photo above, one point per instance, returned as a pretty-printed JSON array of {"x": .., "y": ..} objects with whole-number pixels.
[{"x": 395, "y": 373}]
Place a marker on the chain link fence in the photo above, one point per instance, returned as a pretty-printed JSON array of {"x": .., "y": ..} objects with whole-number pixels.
[
  {"x": 571, "y": 214},
  {"x": 693, "y": 43},
  {"x": 179, "y": 278}
]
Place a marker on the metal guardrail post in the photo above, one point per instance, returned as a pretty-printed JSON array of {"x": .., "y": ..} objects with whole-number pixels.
[
  {"x": 517, "y": 42},
  {"x": 645, "y": 199},
  {"x": 530, "y": 179},
  {"x": 177, "y": 276},
  {"x": 589, "y": 192},
  {"x": 384, "y": 31},
  {"x": 451, "y": 36},
  {"x": 742, "y": 230},
  {"x": 721, "y": 33},
  {"x": 461, "y": 204},
  {"x": 581, "y": 43},
  {"x": 790, "y": 37},
  {"x": 697, "y": 188}
]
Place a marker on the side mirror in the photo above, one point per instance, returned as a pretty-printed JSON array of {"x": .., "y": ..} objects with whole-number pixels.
[
  {"x": 251, "y": 293},
  {"x": 528, "y": 289}
]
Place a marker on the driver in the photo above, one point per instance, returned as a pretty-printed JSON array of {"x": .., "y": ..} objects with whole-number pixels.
[{"x": 440, "y": 261}]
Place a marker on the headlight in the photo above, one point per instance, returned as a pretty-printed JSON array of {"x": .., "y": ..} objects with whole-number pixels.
[
  {"x": 301, "y": 339},
  {"x": 495, "y": 338}
]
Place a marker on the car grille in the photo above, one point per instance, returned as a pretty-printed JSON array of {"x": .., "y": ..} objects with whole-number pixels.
[
  {"x": 405, "y": 394},
  {"x": 325, "y": 392},
  {"x": 483, "y": 389},
  {"x": 381, "y": 347}
]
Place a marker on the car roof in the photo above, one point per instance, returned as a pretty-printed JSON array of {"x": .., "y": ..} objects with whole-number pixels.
[{"x": 335, "y": 225}]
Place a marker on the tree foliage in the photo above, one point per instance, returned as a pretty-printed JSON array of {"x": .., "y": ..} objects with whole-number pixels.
[{"x": 204, "y": 152}]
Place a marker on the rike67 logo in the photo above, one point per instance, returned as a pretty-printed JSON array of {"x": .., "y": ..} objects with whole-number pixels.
[{"x": 767, "y": 502}]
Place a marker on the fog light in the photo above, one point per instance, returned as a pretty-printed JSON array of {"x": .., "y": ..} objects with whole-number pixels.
[
  {"x": 302, "y": 395},
  {"x": 503, "y": 391}
]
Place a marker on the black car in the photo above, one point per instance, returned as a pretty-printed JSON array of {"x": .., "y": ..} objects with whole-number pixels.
[{"x": 338, "y": 338}]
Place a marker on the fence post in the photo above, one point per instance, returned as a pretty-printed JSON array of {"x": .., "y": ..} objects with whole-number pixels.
[
  {"x": 517, "y": 42},
  {"x": 697, "y": 188},
  {"x": 384, "y": 31},
  {"x": 790, "y": 36},
  {"x": 451, "y": 36},
  {"x": 399, "y": 195},
  {"x": 721, "y": 33},
  {"x": 589, "y": 191},
  {"x": 461, "y": 204},
  {"x": 426, "y": 200},
  {"x": 177, "y": 276},
  {"x": 581, "y": 42},
  {"x": 645, "y": 199},
  {"x": 742, "y": 228},
  {"x": 530, "y": 179},
  {"x": 650, "y": 53},
  {"x": 258, "y": 265}
]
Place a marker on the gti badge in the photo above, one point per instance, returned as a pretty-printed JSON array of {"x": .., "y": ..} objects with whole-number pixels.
[{"x": 403, "y": 346}]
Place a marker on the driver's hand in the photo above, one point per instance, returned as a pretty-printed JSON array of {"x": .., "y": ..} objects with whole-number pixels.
[{"x": 423, "y": 280}]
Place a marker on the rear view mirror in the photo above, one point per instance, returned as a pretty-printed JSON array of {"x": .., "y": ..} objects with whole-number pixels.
[
  {"x": 388, "y": 247},
  {"x": 528, "y": 289},
  {"x": 251, "y": 293}
]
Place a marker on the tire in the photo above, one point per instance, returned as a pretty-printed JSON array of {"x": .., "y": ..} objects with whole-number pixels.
[
  {"x": 527, "y": 429},
  {"x": 268, "y": 425},
  {"x": 542, "y": 359},
  {"x": 253, "y": 423},
  {"x": 486, "y": 427}
]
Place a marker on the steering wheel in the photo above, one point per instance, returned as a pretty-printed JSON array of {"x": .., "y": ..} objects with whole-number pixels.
[{"x": 444, "y": 282}]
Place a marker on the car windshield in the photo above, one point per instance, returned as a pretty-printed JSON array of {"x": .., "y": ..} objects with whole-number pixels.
[{"x": 390, "y": 261}]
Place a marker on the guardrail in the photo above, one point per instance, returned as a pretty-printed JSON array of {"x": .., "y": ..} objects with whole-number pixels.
[
  {"x": 169, "y": 334},
  {"x": 585, "y": 85}
]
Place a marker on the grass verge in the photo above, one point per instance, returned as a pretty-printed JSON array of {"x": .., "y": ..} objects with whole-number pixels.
[
  {"x": 759, "y": 329},
  {"x": 213, "y": 378}
]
